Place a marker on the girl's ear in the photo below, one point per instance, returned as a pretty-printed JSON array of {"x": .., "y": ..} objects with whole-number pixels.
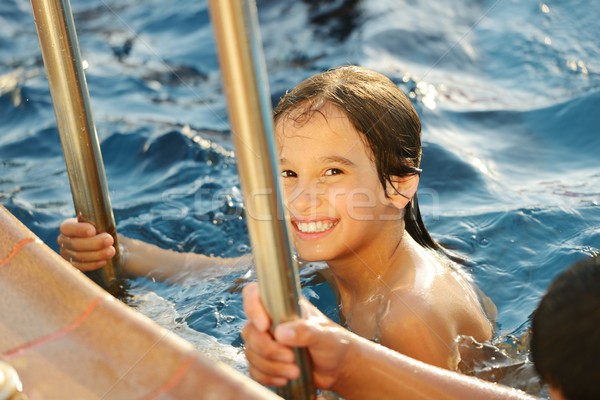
[{"x": 402, "y": 189}]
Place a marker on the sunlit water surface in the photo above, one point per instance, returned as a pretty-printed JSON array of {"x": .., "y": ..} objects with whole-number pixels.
[{"x": 508, "y": 92}]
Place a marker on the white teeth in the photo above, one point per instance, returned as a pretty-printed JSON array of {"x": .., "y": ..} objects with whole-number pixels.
[{"x": 314, "y": 227}]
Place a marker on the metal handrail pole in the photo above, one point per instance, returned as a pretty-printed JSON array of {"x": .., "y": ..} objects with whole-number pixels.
[
  {"x": 243, "y": 69},
  {"x": 70, "y": 97}
]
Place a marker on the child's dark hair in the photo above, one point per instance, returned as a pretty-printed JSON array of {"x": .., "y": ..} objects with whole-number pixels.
[
  {"x": 378, "y": 109},
  {"x": 565, "y": 342}
]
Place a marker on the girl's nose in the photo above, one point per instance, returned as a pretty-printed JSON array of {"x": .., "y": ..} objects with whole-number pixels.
[{"x": 305, "y": 196}]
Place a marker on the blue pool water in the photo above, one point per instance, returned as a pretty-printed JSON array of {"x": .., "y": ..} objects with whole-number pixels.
[{"x": 508, "y": 92}]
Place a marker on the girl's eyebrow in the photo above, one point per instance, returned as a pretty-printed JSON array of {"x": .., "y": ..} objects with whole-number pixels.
[
  {"x": 329, "y": 159},
  {"x": 338, "y": 159}
]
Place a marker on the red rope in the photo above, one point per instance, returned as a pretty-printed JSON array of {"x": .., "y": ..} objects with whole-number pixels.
[
  {"x": 45, "y": 339},
  {"x": 16, "y": 250},
  {"x": 171, "y": 383}
]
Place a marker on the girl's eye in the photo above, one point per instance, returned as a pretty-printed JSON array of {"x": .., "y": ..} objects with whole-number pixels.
[
  {"x": 286, "y": 173},
  {"x": 333, "y": 171}
]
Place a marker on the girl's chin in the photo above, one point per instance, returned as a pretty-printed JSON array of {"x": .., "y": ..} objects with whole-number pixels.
[{"x": 314, "y": 253}]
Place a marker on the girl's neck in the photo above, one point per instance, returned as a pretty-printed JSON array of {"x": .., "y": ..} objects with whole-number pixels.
[
  {"x": 361, "y": 276},
  {"x": 364, "y": 288}
]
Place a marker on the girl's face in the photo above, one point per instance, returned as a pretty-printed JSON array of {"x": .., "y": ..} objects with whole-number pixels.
[{"x": 337, "y": 205}]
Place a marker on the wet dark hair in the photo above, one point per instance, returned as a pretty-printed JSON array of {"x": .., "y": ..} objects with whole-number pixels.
[
  {"x": 565, "y": 343},
  {"x": 378, "y": 109}
]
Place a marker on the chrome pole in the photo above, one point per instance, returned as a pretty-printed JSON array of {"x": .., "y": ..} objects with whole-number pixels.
[
  {"x": 244, "y": 74},
  {"x": 68, "y": 88}
]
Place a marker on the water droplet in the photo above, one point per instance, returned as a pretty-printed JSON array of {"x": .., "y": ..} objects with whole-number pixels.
[
  {"x": 218, "y": 218},
  {"x": 572, "y": 65}
]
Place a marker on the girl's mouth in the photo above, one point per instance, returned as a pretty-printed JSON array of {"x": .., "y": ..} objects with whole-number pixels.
[{"x": 314, "y": 229}]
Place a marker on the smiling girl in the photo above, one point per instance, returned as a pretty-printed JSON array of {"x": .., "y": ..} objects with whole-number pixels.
[{"x": 350, "y": 147}]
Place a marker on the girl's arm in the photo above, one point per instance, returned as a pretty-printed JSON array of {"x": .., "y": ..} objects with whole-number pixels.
[
  {"x": 86, "y": 250},
  {"x": 351, "y": 366},
  {"x": 144, "y": 259}
]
